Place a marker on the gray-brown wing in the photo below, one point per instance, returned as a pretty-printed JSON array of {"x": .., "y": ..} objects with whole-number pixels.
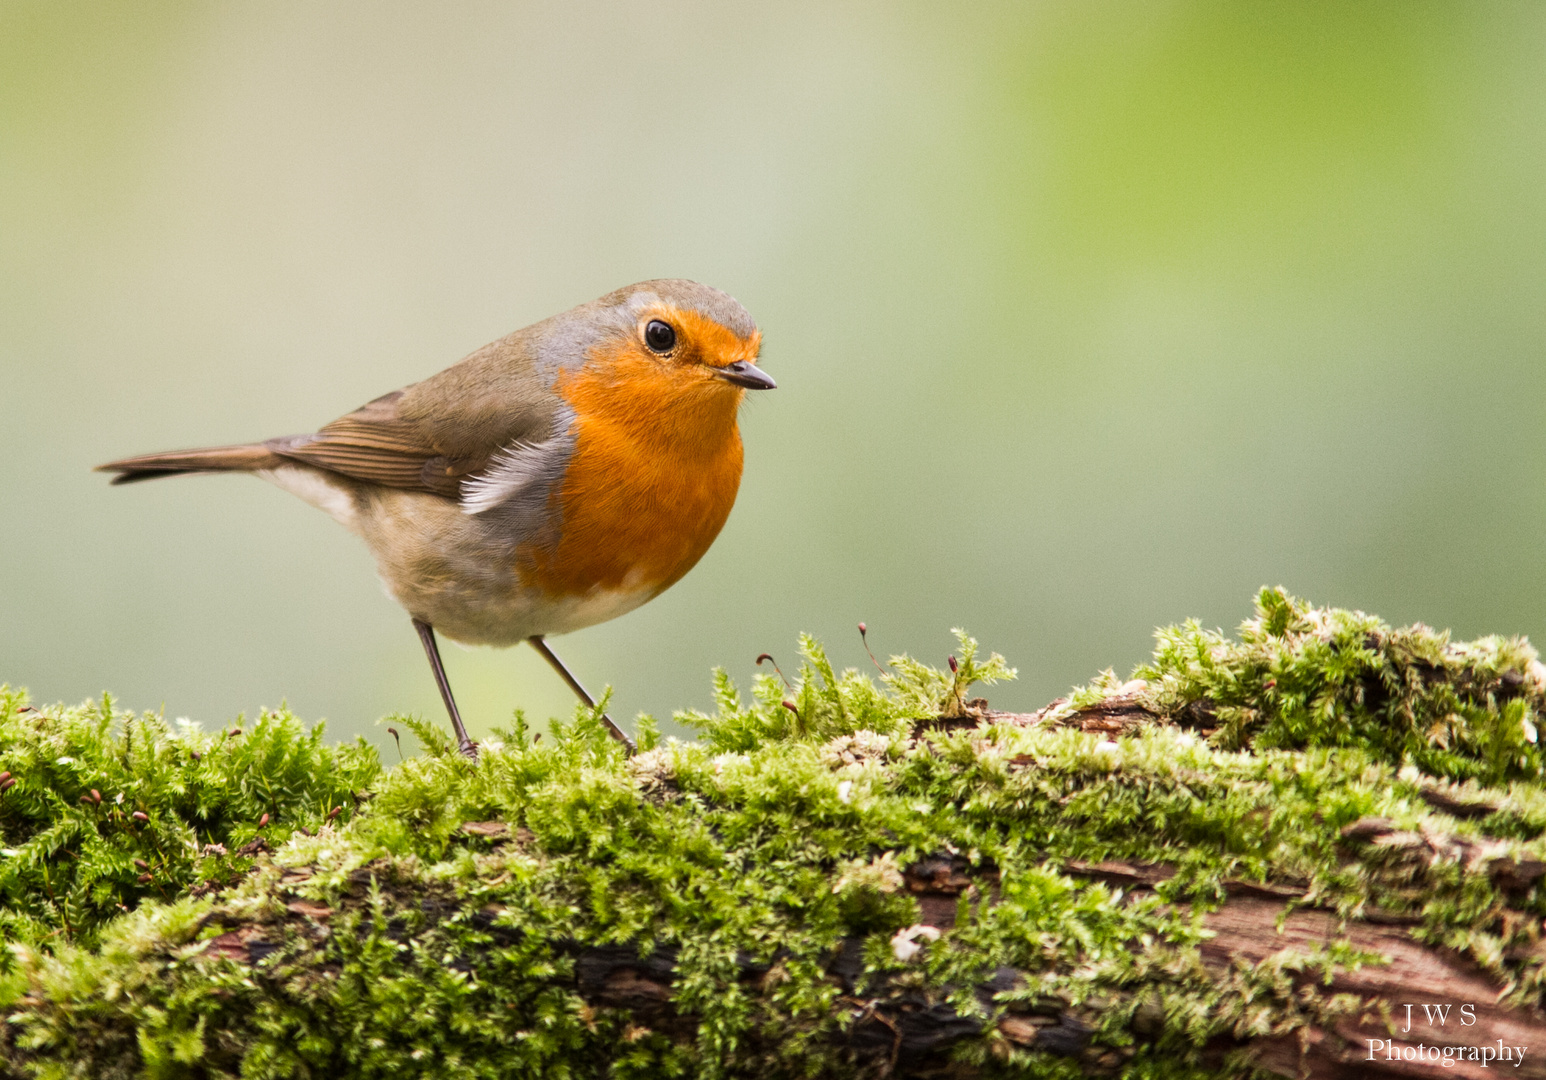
[
  {"x": 432, "y": 435},
  {"x": 377, "y": 444}
]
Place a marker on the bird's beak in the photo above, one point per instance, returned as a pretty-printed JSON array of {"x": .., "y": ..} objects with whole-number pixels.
[{"x": 746, "y": 374}]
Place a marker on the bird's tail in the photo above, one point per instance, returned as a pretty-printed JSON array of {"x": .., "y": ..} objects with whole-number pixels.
[{"x": 247, "y": 458}]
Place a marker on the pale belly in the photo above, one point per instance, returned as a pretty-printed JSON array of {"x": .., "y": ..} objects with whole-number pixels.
[
  {"x": 454, "y": 571},
  {"x": 507, "y": 616}
]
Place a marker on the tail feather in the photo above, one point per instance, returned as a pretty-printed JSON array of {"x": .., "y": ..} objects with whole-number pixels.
[{"x": 247, "y": 458}]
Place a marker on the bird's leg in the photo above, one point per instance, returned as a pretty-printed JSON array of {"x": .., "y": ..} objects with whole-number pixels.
[
  {"x": 432, "y": 650},
  {"x": 579, "y": 691}
]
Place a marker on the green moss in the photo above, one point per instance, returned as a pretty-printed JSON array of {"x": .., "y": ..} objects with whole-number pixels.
[
  {"x": 109, "y": 809},
  {"x": 749, "y": 864},
  {"x": 1301, "y": 677}
]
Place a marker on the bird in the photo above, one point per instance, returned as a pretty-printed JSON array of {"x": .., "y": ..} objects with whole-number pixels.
[{"x": 556, "y": 478}]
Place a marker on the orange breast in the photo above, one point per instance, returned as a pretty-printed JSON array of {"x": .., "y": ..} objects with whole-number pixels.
[{"x": 654, "y": 473}]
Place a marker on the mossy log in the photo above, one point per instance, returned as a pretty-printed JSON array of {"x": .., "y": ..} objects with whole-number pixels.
[{"x": 1314, "y": 850}]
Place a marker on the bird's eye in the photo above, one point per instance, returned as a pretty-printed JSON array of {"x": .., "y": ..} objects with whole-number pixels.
[{"x": 659, "y": 336}]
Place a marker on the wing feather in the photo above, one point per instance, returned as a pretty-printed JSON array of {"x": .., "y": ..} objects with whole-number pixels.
[
  {"x": 433, "y": 435},
  {"x": 378, "y": 445}
]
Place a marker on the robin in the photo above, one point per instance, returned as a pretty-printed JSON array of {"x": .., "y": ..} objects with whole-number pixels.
[{"x": 554, "y": 479}]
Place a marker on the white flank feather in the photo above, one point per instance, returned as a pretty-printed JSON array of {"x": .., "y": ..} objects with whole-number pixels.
[{"x": 510, "y": 472}]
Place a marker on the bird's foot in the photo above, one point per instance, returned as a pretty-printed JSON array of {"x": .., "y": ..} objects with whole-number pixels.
[{"x": 469, "y": 749}]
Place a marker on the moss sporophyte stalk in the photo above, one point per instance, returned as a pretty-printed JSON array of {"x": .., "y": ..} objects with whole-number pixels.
[{"x": 850, "y": 875}]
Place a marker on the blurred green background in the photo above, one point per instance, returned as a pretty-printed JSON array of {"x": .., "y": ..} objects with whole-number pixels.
[{"x": 1086, "y": 317}]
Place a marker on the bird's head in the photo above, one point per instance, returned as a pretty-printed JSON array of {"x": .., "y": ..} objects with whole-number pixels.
[
  {"x": 659, "y": 346},
  {"x": 695, "y": 345}
]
